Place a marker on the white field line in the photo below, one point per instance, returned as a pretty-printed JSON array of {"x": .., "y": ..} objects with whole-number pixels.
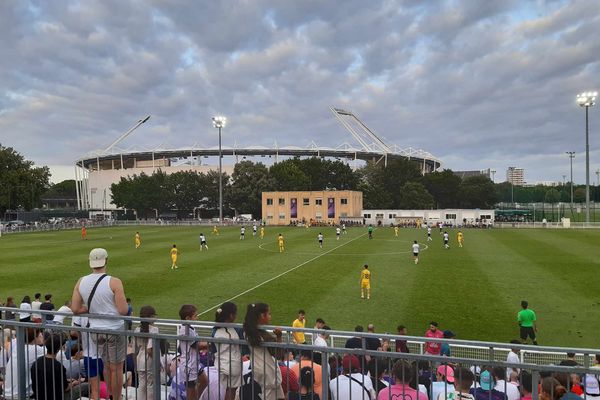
[{"x": 280, "y": 275}]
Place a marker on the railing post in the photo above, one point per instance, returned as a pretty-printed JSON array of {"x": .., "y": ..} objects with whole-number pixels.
[
  {"x": 325, "y": 373},
  {"x": 535, "y": 380},
  {"x": 156, "y": 367},
  {"x": 21, "y": 365}
]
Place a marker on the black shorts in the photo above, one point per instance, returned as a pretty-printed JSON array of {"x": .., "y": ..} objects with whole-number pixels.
[
  {"x": 203, "y": 243},
  {"x": 416, "y": 254},
  {"x": 320, "y": 242},
  {"x": 527, "y": 331}
]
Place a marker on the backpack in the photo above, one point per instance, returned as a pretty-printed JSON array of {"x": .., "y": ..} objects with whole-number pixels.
[{"x": 250, "y": 389}]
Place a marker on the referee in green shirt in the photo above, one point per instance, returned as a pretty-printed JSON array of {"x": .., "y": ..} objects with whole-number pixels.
[{"x": 526, "y": 319}]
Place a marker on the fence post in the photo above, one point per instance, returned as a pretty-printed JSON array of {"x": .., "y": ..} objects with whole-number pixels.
[
  {"x": 535, "y": 378},
  {"x": 21, "y": 366},
  {"x": 325, "y": 373},
  {"x": 156, "y": 367}
]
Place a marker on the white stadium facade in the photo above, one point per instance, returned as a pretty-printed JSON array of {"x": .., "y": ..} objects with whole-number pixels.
[{"x": 96, "y": 171}]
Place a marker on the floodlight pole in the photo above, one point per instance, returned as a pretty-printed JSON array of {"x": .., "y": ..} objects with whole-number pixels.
[
  {"x": 587, "y": 100},
  {"x": 219, "y": 122},
  {"x": 571, "y": 156}
]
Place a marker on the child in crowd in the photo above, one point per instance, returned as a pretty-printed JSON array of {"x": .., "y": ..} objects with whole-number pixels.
[
  {"x": 229, "y": 356},
  {"x": 144, "y": 349}
]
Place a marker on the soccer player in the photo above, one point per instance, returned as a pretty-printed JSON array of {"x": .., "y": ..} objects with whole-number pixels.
[
  {"x": 429, "y": 239},
  {"x": 416, "y": 248},
  {"x": 370, "y": 230},
  {"x": 83, "y": 233},
  {"x": 460, "y": 238},
  {"x": 526, "y": 319},
  {"x": 262, "y": 232},
  {"x": 441, "y": 226},
  {"x": 174, "y": 253},
  {"x": 203, "y": 244},
  {"x": 137, "y": 240},
  {"x": 281, "y": 243},
  {"x": 243, "y": 233},
  {"x": 320, "y": 238},
  {"x": 254, "y": 229},
  {"x": 299, "y": 322},
  {"x": 215, "y": 230},
  {"x": 344, "y": 228},
  {"x": 338, "y": 232},
  {"x": 446, "y": 238},
  {"x": 396, "y": 230},
  {"x": 365, "y": 282}
]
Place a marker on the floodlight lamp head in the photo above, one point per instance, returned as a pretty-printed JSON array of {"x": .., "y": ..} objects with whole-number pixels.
[
  {"x": 587, "y": 99},
  {"x": 219, "y": 121}
]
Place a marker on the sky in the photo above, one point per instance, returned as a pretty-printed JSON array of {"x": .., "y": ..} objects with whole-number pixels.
[{"x": 479, "y": 84}]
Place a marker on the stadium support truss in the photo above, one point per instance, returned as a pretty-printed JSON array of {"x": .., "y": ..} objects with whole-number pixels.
[{"x": 97, "y": 170}]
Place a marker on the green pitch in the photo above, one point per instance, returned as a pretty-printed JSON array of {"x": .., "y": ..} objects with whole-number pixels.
[{"x": 474, "y": 291}]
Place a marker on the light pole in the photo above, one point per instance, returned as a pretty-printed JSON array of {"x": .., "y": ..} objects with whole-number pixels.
[
  {"x": 587, "y": 100},
  {"x": 571, "y": 156},
  {"x": 219, "y": 122},
  {"x": 493, "y": 172}
]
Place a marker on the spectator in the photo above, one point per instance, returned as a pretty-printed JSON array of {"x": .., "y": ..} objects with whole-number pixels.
[
  {"x": 289, "y": 380},
  {"x": 463, "y": 380},
  {"x": 307, "y": 380},
  {"x": 229, "y": 356},
  {"x": 299, "y": 322},
  {"x": 433, "y": 348},
  {"x": 306, "y": 360},
  {"x": 372, "y": 343},
  {"x": 355, "y": 342},
  {"x": 526, "y": 385},
  {"x": 401, "y": 345},
  {"x": 144, "y": 349},
  {"x": 49, "y": 377},
  {"x": 591, "y": 386},
  {"x": 321, "y": 341},
  {"x": 513, "y": 357},
  {"x": 576, "y": 386},
  {"x": 425, "y": 375},
  {"x": 66, "y": 308},
  {"x": 445, "y": 347},
  {"x": 108, "y": 299},
  {"x": 404, "y": 373},
  {"x": 444, "y": 383},
  {"x": 10, "y": 303},
  {"x": 25, "y": 310},
  {"x": 93, "y": 365},
  {"x": 377, "y": 369},
  {"x": 526, "y": 319},
  {"x": 74, "y": 363},
  {"x": 551, "y": 389},
  {"x": 32, "y": 351},
  {"x": 35, "y": 306},
  {"x": 128, "y": 324},
  {"x": 486, "y": 390},
  {"x": 569, "y": 361},
  {"x": 47, "y": 305},
  {"x": 564, "y": 379},
  {"x": 351, "y": 384},
  {"x": 511, "y": 391},
  {"x": 264, "y": 361}
]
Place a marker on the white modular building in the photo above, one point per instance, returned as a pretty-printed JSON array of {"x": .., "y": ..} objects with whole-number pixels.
[{"x": 450, "y": 217}]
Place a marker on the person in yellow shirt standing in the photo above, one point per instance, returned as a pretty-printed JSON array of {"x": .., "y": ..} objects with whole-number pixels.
[
  {"x": 174, "y": 253},
  {"x": 365, "y": 282},
  {"x": 215, "y": 231},
  {"x": 396, "y": 230},
  {"x": 262, "y": 232},
  {"x": 281, "y": 243},
  {"x": 460, "y": 238},
  {"x": 137, "y": 240},
  {"x": 299, "y": 322}
]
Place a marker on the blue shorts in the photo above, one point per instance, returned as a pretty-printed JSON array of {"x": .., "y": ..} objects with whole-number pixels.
[{"x": 93, "y": 366}]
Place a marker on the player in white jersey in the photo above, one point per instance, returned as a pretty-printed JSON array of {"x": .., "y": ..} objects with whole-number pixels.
[
  {"x": 242, "y": 233},
  {"x": 320, "y": 238},
  {"x": 429, "y": 239},
  {"x": 344, "y": 228},
  {"x": 338, "y": 232},
  {"x": 203, "y": 244},
  {"x": 254, "y": 229},
  {"x": 415, "y": 249},
  {"x": 446, "y": 239}
]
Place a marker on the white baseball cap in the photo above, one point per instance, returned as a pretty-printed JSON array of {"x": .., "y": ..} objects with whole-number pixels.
[{"x": 98, "y": 258}]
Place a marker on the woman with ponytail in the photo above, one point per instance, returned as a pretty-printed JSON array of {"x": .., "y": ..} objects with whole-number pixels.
[
  {"x": 265, "y": 369},
  {"x": 552, "y": 389},
  {"x": 229, "y": 356},
  {"x": 144, "y": 350}
]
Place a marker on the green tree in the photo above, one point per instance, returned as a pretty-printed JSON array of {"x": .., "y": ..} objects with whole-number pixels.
[
  {"x": 187, "y": 189},
  {"x": 21, "y": 183},
  {"x": 64, "y": 189},
  {"x": 147, "y": 194},
  {"x": 579, "y": 195},
  {"x": 477, "y": 192},
  {"x": 287, "y": 175},
  {"x": 415, "y": 196},
  {"x": 444, "y": 187},
  {"x": 552, "y": 196},
  {"x": 249, "y": 180}
]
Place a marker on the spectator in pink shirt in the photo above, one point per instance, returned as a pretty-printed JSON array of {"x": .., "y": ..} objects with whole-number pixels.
[
  {"x": 404, "y": 372},
  {"x": 433, "y": 348}
]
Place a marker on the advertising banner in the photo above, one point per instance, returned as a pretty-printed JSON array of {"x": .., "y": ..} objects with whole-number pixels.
[
  {"x": 331, "y": 207},
  {"x": 294, "y": 208}
]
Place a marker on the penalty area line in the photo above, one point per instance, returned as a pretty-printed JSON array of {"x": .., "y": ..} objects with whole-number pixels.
[{"x": 280, "y": 275}]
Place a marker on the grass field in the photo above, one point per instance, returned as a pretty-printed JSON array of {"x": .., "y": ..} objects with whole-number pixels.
[{"x": 474, "y": 291}]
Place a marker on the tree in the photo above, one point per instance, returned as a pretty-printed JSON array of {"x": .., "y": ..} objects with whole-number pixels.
[
  {"x": 249, "y": 180},
  {"x": 444, "y": 187},
  {"x": 21, "y": 184},
  {"x": 552, "y": 196},
  {"x": 288, "y": 175},
  {"x": 415, "y": 196},
  {"x": 326, "y": 174},
  {"x": 579, "y": 195},
  {"x": 396, "y": 174},
  {"x": 477, "y": 192},
  {"x": 65, "y": 189},
  {"x": 188, "y": 189},
  {"x": 147, "y": 194}
]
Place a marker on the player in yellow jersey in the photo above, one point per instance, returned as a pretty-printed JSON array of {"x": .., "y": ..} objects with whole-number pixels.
[
  {"x": 174, "y": 253},
  {"x": 396, "y": 231},
  {"x": 215, "y": 230},
  {"x": 281, "y": 243},
  {"x": 460, "y": 238},
  {"x": 365, "y": 282},
  {"x": 262, "y": 232},
  {"x": 137, "y": 240}
]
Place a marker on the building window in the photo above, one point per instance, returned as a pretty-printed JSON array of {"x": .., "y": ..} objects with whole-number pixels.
[
  {"x": 305, "y": 202},
  {"x": 450, "y": 216},
  {"x": 319, "y": 202},
  {"x": 343, "y": 215},
  {"x": 281, "y": 215},
  {"x": 367, "y": 215},
  {"x": 318, "y": 215},
  {"x": 343, "y": 201},
  {"x": 270, "y": 202},
  {"x": 281, "y": 201},
  {"x": 391, "y": 216},
  {"x": 269, "y": 216},
  {"x": 378, "y": 215},
  {"x": 485, "y": 217}
]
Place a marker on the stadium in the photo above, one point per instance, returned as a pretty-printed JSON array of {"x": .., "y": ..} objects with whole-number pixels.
[{"x": 97, "y": 170}]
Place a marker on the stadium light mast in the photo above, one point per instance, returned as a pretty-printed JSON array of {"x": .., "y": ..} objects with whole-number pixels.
[
  {"x": 123, "y": 136},
  {"x": 587, "y": 100},
  {"x": 493, "y": 172},
  {"x": 219, "y": 122},
  {"x": 571, "y": 156}
]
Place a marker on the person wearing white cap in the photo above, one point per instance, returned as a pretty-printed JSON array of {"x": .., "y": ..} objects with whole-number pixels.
[{"x": 103, "y": 294}]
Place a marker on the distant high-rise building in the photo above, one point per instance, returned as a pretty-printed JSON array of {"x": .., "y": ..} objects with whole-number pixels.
[{"x": 515, "y": 176}]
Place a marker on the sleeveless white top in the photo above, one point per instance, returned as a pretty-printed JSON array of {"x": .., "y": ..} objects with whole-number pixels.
[{"x": 102, "y": 303}]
